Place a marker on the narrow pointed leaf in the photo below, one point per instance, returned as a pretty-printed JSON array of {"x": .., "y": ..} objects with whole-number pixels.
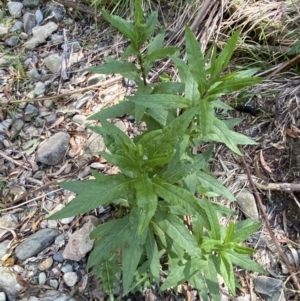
[
  {"x": 114, "y": 66},
  {"x": 227, "y": 271},
  {"x": 243, "y": 229}
]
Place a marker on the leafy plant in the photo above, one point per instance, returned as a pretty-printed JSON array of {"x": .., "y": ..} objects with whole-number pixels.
[{"x": 160, "y": 179}]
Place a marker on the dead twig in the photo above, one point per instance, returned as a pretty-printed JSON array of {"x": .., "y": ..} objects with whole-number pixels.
[
  {"x": 289, "y": 187},
  {"x": 290, "y": 268},
  {"x": 104, "y": 85},
  {"x": 2, "y": 154}
]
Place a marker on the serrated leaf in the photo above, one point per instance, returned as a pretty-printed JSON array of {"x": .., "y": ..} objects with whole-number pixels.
[
  {"x": 153, "y": 255},
  {"x": 175, "y": 229},
  {"x": 172, "y": 247},
  {"x": 114, "y": 66},
  {"x": 95, "y": 196},
  {"x": 109, "y": 237},
  {"x": 122, "y": 25},
  {"x": 160, "y": 101},
  {"x": 146, "y": 201},
  {"x": 211, "y": 184},
  {"x": 117, "y": 110},
  {"x": 245, "y": 262},
  {"x": 244, "y": 229},
  {"x": 131, "y": 254}
]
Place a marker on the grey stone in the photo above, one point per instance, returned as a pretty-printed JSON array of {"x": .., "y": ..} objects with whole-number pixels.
[
  {"x": 70, "y": 278},
  {"x": 94, "y": 144},
  {"x": 3, "y": 30},
  {"x": 9, "y": 283},
  {"x": 40, "y": 34},
  {"x": 18, "y": 26},
  {"x": 74, "y": 45},
  {"x": 7, "y": 221},
  {"x": 2, "y": 296},
  {"x": 30, "y": 112},
  {"x": 247, "y": 203},
  {"x": 120, "y": 124},
  {"x": 39, "y": 88},
  {"x": 58, "y": 256},
  {"x": 128, "y": 82},
  {"x": 50, "y": 119},
  {"x": 57, "y": 38},
  {"x": 54, "y": 11},
  {"x": 83, "y": 100},
  {"x": 33, "y": 74},
  {"x": 16, "y": 128},
  {"x": 29, "y": 22},
  {"x": 23, "y": 36},
  {"x": 95, "y": 79},
  {"x": 15, "y": 8},
  {"x": 269, "y": 288},
  {"x": 3, "y": 247},
  {"x": 5, "y": 124},
  {"x": 31, "y": 3},
  {"x": 64, "y": 221},
  {"x": 12, "y": 41},
  {"x": 53, "y": 62},
  {"x": 53, "y": 283},
  {"x": 67, "y": 268},
  {"x": 42, "y": 278},
  {"x": 38, "y": 16},
  {"x": 35, "y": 243},
  {"x": 80, "y": 119},
  {"x": 53, "y": 150},
  {"x": 80, "y": 243}
]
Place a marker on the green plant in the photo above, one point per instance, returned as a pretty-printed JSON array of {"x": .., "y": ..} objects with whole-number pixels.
[{"x": 160, "y": 178}]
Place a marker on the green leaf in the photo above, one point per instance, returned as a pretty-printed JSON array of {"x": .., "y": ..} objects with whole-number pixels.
[
  {"x": 191, "y": 90},
  {"x": 160, "y": 53},
  {"x": 108, "y": 271},
  {"x": 156, "y": 43},
  {"x": 210, "y": 274},
  {"x": 229, "y": 233},
  {"x": 97, "y": 195},
  {"x": 229, "y": 86},
  {"x": 245, "y": 262},
  {"x": 146, "y": 201},
  {"x": 206, "y": 116},
  {"x": 232, "y": 122},
  {"x": 183, "y": 68},
  {"x": 117, "y": 110},
  {"x": 211, "y": 184},
  {"x": 172, "y": 247},
  {"x": 163, "y": 117},
  {"x": 175, "y": 229},
  {"x": 215, "y": 230},
  {"x": 109, "y": 237},
  {"x": 153, "y": 255},
  {"x": 224, "y": 57},
  {"x": 160, "y": 101},
  {"x": 181, "y": 170},
  {"x": 114, "y": 66},
  {"x": 244, "y": 229},
  {"x": 169, "y": 88},
  {"x": 150, "y": 25},
  {"x": 198, "y": 281},
  {"x": 195, "y": 58},
  {"x": 122, "y": 25},
  {"x": 79, "y": 186},
  {"x": 131, "y": 254},
  {"x": 227, "y": 271}
]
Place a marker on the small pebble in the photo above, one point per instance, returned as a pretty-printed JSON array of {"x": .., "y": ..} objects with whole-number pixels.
[
  {"x": 53, "y": 283},
  {"x": 45, "y": 264},
  {"x": 70, "y": 278},
  {"x": 42, "y": 278},
  {"x": 67, "y": 268},
  {"x": 58, "y": 256}
]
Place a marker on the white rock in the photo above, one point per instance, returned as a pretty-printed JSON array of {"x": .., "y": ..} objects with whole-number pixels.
[
  {"x": 7, "y": 221},
  {"x": 70, "y": 278},
  {"x": 42, "y": 278}
]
